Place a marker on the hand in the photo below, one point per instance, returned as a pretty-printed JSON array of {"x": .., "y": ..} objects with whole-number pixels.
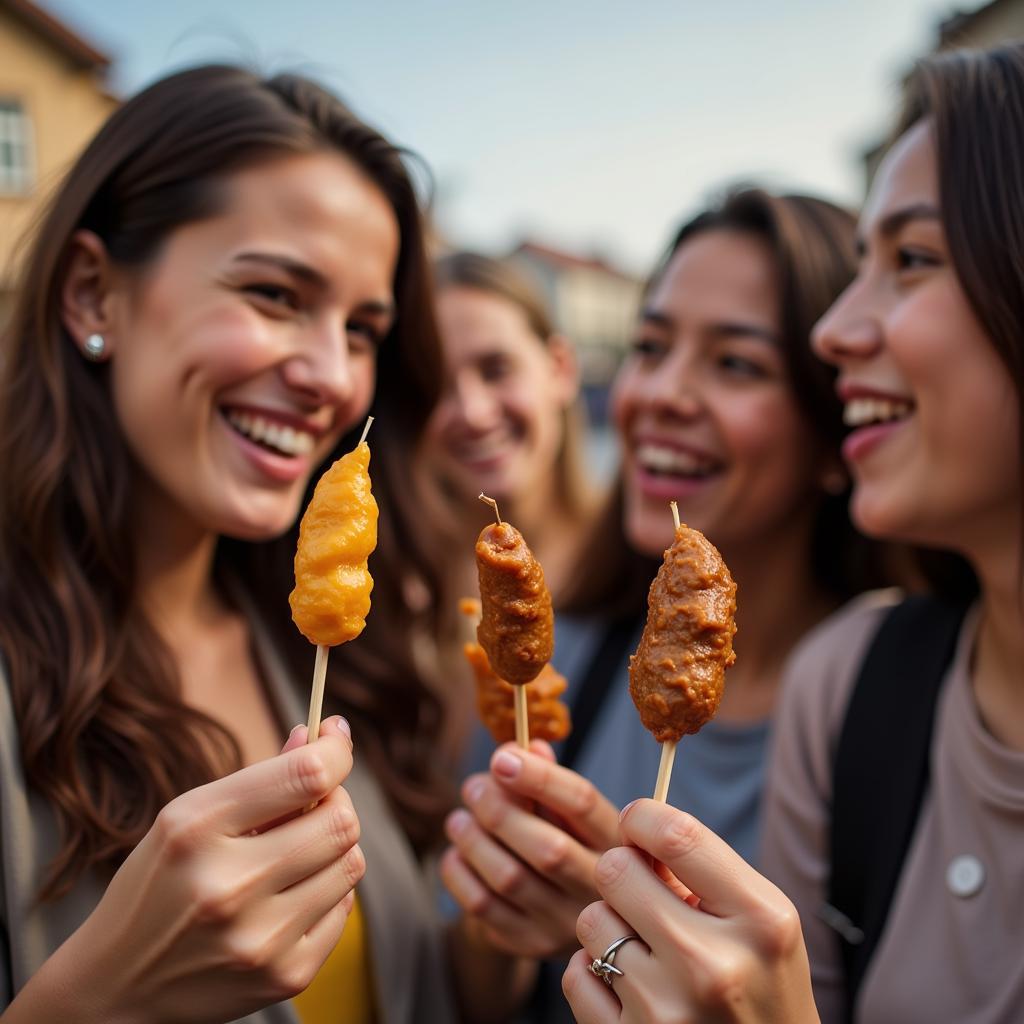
[
  {"x": 522, "y": 861},
  {"x": 716, "y": 940},
  {"x": 232, "y": 900}
]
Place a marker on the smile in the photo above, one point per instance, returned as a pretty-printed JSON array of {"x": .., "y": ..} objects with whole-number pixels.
[
  {"x": 860, "y": 412},
  {"x": 663, "y": 461},
  {"x": 275, "y": 437}
]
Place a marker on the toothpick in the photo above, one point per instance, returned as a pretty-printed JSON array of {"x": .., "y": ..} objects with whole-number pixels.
[
  {"x": 668, "y": 754},
  {"x": 490, "y": 501},
  {"x": 366, "y": 430},
  {"x": 316, "y": 699},
  {"x": 522, "y": 718},
  {"x": 675, "y": 513}
]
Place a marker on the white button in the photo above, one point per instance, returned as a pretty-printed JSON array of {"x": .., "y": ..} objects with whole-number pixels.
[{"x": 965, "y": 875}]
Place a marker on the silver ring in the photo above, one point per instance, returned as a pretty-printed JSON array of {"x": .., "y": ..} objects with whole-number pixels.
[{"x": 604, "y": 966}]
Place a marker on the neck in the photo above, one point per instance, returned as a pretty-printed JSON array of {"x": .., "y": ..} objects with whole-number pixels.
[
  {"x": 174, "y": 559},
  {"x": 778, "y": 601},
  {"x": 999, "y": 649}
]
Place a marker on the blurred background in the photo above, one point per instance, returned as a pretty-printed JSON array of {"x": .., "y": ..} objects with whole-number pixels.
[{"x": 570, "y": 135}]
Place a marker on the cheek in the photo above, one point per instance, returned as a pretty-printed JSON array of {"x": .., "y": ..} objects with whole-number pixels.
[{"x": 623, "y": 399}]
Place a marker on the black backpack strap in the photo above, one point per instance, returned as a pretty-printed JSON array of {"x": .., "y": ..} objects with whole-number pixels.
[
  {"x": 881, "y": 772},
  {"x": 597, "y": 678}
]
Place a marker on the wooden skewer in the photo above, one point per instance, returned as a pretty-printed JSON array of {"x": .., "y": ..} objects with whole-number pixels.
[
  {"x": 668, "y": 748},
  {"x": 366, "y": 429},
  {"x": 316, "y": 699},
  {"x": 490, "y": 501}
]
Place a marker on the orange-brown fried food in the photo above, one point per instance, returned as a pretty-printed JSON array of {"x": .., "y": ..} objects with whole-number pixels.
[
  {"x": 548, "y": 716},
  {"x": 678, "y": 672},
  {"x": 517, "y": 627},
  {"x": 336, "y": 537}
]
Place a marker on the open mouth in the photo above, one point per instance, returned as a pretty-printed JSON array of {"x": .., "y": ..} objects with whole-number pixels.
[
  {"x": 865, "y": 412},
  {"x": 273, "y": 437},
  {"x": 666, "y": 462},
  {"x": 482, "y": 450}
]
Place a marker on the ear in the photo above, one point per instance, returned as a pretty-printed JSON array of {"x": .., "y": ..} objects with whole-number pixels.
[
  {"x": 566, "y": 368},
  {"x": 86, "y": 299}
]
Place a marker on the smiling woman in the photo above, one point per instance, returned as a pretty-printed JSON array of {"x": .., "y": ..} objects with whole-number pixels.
[{"x": 230, "y": 278}]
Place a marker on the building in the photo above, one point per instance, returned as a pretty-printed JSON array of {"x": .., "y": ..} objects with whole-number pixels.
[
  {"x": 594, "y": 303},
  {"x": 995, "y": 22},
  {"x": 52, "y": 100}
]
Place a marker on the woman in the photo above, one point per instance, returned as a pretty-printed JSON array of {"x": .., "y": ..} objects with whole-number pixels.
[
  {"x": 721, "y": 406},
  {"x": 197, "y": 332},
  {"x": 927, "y": 342}
]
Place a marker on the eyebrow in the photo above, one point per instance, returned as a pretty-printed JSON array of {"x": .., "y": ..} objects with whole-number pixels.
[
  {"x": 724, "y": 329},
  {"x": 892, "y": 223},
  {"x": 304, "y": 272}
]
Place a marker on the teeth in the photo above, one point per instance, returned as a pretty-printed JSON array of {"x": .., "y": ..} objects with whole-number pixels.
[
  {"x": 286, "y": 440},
  {"x": 672, "y": 460},
  {"x": 861, "y": 411}
]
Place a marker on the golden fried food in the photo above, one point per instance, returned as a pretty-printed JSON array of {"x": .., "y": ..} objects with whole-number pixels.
[
  {"x": 678, "y": 672},
  {"x": 517, "y": 627},
  {"x": 336, "y": 537},
  {"x": 548, "y": 716}
]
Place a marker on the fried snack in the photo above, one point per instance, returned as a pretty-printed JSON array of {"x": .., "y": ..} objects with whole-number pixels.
[
  {"x": 336, "y": 537},
  {"x": 517, "y": 627},
  {"x": 677, "y": 674},
  {"x": 548, "y": 716}
]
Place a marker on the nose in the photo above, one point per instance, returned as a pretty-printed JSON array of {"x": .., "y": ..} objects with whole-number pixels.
[
  {"x": 320, "y": 369},
  {"x": 851, "y": 328},
  {"x": 472, "y": 402},
  {"x": 674, "y": 390}
]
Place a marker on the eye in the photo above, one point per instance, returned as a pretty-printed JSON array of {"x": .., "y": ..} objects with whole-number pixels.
[
  {"x": 494, "y": 368},
  {"x": 276, "y": 295},
  {"x": 364, "y": 337},
  {"x": 910, "y": 258},
  {"x": 646, "y": 347},
  {"x": 739, "y": 366}
]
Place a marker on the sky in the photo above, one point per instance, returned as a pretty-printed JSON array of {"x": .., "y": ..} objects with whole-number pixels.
[{"x": 595, "y": 126}]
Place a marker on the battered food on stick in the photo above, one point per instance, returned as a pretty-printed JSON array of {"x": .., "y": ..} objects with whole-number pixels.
[
  {"x": 517, "y": 625},
  {"x": 337, "y": 535},
  {"x": 548, "y": 716},
  {"x": 677, "y": 675}
]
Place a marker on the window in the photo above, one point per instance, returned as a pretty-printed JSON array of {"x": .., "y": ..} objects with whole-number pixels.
[{"x": 15, "y": 147}]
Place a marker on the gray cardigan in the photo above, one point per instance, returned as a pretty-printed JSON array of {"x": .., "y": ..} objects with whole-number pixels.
[{"x": 410, "y": 974}]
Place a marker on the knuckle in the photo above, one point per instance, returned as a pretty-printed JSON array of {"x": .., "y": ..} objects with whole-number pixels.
[
  {"x": 289, "y": 979},
  {"x": 508, "y": 879},
  {"x": 574, "y": 977},
  {"x": 249, "y": 952},
  {"x": 490, "y": 811},
  {"x": 612, "y": 866},
  {"x": 554, "y": 854},
  {"x": 723, "y": 983},
  {"x": 178, "y": 828},
  {"x": 589, "y": 922},
  {"x": 308, "y": 773},
  {"x": 343, "y": 826},
  {"x": 584, "y": 799},
  {"x": 355, "y": 865},
  {"x": 214, "y": 899},
  {"x": 679, "y": 836},
  {"x": 778, "y": 929}
]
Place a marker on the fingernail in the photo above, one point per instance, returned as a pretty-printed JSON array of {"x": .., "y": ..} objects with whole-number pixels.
[
  {"x": 458, "y": 821},
  {"x": 625, "y": 810},
  {"x": 473, "y": 790},
  {"x": 505, "y": 764},
  {"x": 343, "y": 726},
  {"x": 295, "y": 729}
]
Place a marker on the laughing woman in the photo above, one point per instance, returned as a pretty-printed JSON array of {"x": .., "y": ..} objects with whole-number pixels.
[{"x": 229, "y": 279}]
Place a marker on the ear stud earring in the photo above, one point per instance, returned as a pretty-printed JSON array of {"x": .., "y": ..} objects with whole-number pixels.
[{"x": 95, "y": 347}]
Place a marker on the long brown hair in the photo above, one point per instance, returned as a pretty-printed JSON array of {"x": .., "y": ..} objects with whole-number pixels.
[
  {"x": 974, "y": 101},
  {"x": 105, "y": 735},
  {"x": 506, "y": 281},
  {"x": 812, "y": 244}
]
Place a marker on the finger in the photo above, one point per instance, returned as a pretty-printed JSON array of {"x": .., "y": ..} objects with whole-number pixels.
[
  {"x": 298, "y": 736},
  {"x": 591, "y": 818},
  {"x": 597, "y": 927},
  {"x": 590, "y": 999},
  {"x": 705, "y": 864},
  {"x": 306, "y": 956},
  {"x": 503, "y": 873},
  {"x": 305, "y": 844},
  {"x": 263, "y": 792},
  {"x": 548, "y": 849},
  {"x": 308, "y": 902}
]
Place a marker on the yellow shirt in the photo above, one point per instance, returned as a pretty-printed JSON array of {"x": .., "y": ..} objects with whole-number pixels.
[{"x": 342, "y": 991}]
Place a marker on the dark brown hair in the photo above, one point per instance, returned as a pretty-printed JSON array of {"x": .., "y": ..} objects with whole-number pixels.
[
  {"x": 506, "y": 281},
  {"x": 974, "y": 101},
  {"x": 106, "y": 738},
  {"x": 812, "y": 243}
]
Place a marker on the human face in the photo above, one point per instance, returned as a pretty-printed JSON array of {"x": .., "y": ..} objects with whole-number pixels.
[
  {"x": 704, "y": 406},
  {"x": 246, "y": 349},
  {"x": 933, "y": 450},
  {"x": 500, "y": 422}
]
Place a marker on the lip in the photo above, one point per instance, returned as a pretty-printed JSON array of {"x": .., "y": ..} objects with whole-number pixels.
[
  {"x": 280, "y": 468},
  {"x": 669, "y": 488},
  {"x": 849, "y": 390},
  {"x": 676, "y": 444},
  {"x": 865, "y": 440}
]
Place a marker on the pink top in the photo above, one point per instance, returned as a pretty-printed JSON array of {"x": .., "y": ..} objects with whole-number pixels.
[{"x": 953, "y": 945}]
